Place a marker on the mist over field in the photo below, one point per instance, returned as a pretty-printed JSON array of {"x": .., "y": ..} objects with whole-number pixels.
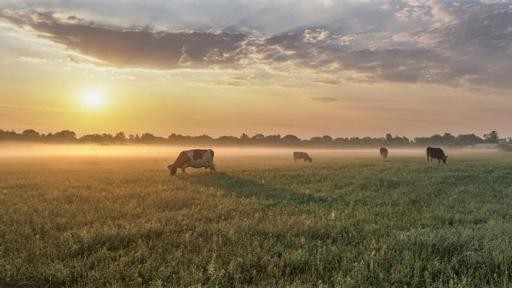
[{"x": 21, "y": 150}]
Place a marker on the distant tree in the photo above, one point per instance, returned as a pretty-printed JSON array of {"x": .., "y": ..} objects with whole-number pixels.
[
  {"x": 68, "y": 136},
  {"x": 437, "y": 140},
  {"x": 149, "y": 138},
  {"x": 30, "y": 135},
  {"x": 327, "y": 139},
  {"x": 244, "y": 138},
  {"x": 104, "y": 138},
  {"x": 204, "y": 139},
  {"x": 291, "y": 140},
  {"x": 227, "y": 140},
  {"x": 90, "y": 138},
  {"x": 389, "y": 138},
  {"x": 272, "y": 139},
  {"x": 468, "y": 139},
  {"x": 9, "y": 135},
  {"x": 492, "y": 137},
  {"x": 175, "y": 138},
  {"x": 449, "y": 139},
  {"x": 340, "y": 141},
  {"x": 316, "y": 141},
  {"x": 258, "y": 137},
  {"x": 62, "y": 136},
  {"x": 120, "y": 137}
]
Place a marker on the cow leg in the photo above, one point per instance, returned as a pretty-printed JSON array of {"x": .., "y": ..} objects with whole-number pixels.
[
  {"x": 183, "y": 170},
  {"x": 212, "y": 168}
]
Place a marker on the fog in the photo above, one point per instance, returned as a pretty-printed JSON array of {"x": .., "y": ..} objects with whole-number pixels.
[{"x": 25, "y": 150}]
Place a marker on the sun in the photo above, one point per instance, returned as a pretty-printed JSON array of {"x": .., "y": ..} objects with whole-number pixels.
[{"x": 93, "y": 99}]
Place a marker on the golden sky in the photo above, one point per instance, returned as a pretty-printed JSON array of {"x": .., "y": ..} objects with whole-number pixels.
[{"x": 343, "y": 68}]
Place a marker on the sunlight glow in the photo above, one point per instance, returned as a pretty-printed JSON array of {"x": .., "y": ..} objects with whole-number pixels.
[{"x": 93, "y": 99}]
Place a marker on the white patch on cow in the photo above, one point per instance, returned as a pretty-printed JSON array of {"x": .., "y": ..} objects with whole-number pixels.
[{"x": 204, "y": 161}]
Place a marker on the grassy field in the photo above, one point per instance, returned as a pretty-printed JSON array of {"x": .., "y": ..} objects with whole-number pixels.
[{"x": 345, "y": 221}]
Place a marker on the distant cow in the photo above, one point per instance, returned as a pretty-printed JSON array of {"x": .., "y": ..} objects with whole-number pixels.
[
  {"x": 384, "y": 152},
  {"x": 436, "y": 153},
  {"x": 196, "y": 158},
  {"x": 301, "y": 156}
]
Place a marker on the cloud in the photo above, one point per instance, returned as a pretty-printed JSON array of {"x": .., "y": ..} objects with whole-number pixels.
[
  {"x": 132, "y": 47},
  {"x": 314, "y": 36},
  {"x": 324, "y": 99},
  {"x": 435, "y": 11},
  {"x": 408, "y": 41}
]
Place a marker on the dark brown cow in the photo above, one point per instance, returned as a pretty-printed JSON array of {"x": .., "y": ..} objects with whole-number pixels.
[
  {"x": 301, "y": 156},
  {"x": 384, "y": 152},
  {"x": 436, "y": 153},
  {"x": 196, "y": 158}
]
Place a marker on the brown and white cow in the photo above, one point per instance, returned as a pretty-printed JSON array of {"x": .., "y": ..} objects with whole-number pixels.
[
  {"x": 196, "y": 158},
  {"x": 301, "y": 156}
]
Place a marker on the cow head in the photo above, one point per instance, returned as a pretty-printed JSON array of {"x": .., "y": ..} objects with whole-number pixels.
[
  {"x": 444, "y": 159},
  {"x": 172, "y": 169}
]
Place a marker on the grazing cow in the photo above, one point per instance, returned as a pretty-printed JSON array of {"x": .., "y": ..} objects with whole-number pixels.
[
  {"x": 196, "y": 158},
  {"x": 301, "y": 156},
  {"x": 384, "y": 152},
  {"x": 436, "y": 153}
]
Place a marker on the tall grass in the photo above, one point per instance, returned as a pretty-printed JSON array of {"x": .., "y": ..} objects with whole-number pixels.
[{"x": 264, "y": 222}]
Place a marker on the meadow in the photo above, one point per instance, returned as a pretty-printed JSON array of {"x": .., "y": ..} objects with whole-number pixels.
[{"x": 349, "y": 219}]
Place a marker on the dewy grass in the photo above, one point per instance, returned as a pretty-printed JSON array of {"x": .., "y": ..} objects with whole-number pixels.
[{"x": 345, "y": 222}]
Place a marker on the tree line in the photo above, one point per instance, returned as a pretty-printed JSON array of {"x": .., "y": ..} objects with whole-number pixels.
[{"x": 68, "y": 136}]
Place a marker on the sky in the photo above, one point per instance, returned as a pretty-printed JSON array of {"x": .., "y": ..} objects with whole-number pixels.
[{"x": 226, "y": 67}]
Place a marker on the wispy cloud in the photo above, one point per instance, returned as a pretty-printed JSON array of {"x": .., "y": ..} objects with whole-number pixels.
[
  {"x": 420, "y": 41},
  {"x": 324, "y": 99},
  {"x": 122, "y": 47}
]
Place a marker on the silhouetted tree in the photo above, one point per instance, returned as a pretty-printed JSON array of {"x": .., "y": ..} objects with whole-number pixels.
[
  {"x": 31, "y": 135},
  {"x": 9, "y": 135},
  {"x": 120, "y": 137},
  {"x": 468, "y": 139},
  {"x": 148, "y": 138},
  {"x": 272, "y": 139},
  {"x": 245, "y": 139},
  {"x": 492, "y": 137},
  {"x": 227, "y": 140},
  {"x": 291, "y": 140},
  {"x": 389, "y": 138},
  {"x": 62, "y": 136},
  {"x": 326, "y": 141},
  {"x": 258, "y": 137}
]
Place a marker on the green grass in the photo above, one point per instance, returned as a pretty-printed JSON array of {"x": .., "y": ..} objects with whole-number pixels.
[{"x": 261, "y": 221}]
